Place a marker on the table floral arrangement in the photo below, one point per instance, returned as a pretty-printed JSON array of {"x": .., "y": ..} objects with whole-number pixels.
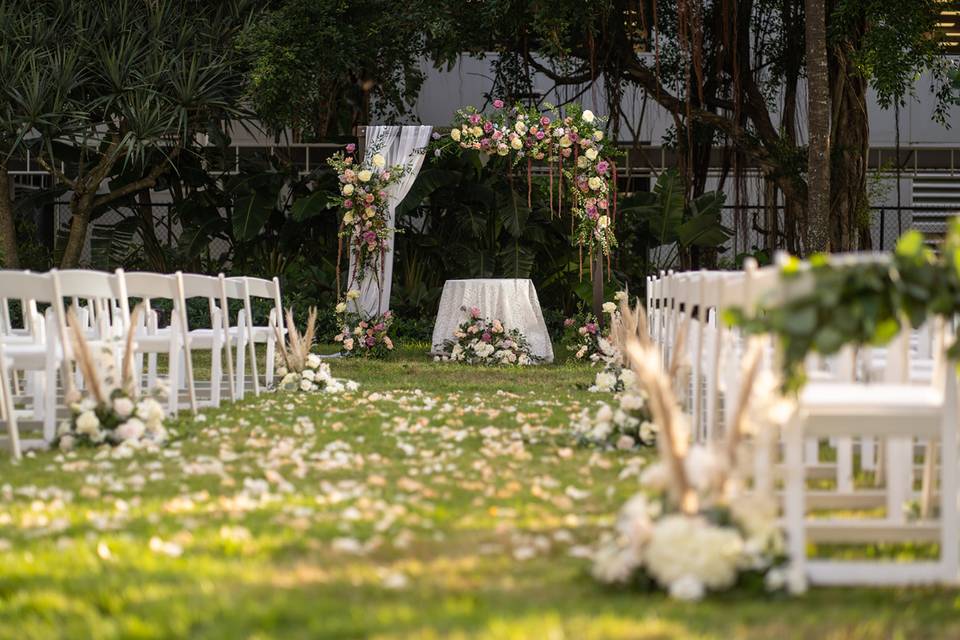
[
  {"x": 696, "y": 528},
  {"x": 301, "y": 370},
  {"x": 110, "y": 411},
  {"x": 480, "y": 340},
  {"x": 368, "y": 337},
  {"x": 578, "y": 156},
  {"x": 363, "y": 199}
]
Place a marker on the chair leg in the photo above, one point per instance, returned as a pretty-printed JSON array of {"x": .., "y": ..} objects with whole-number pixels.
[
  {"x": 868, "y": 454},
  {"x": 794, "y": 508},
  {"x": 929, "y": 478},
  {"x": 173, "y": 401},
  {"x": 216, "y": 374},
  {"x": 241, "y": 369},
  {"x": 268, "y": 365},
  {"x": 8, "y": 409},
  {"x": 899, "y": 476},
  {"x": 50, "y": 401}
]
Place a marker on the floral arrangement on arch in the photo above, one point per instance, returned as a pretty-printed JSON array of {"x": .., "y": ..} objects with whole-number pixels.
[
  {"x": 363, "y": 199},
  {"x": 363, "y": 336},
  {"x": 480, "y": 340},
  {"x": 579, "y": 159},
  {"x": 698, "y": 527},
  {"x": 301, "y": 370},
  {"x": 110, "y": 411}
]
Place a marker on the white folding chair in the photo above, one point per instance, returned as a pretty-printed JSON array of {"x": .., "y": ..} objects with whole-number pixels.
[
  {"x": 213, "y": 338},
  {"x": 151, "y": 338},
  {"x": 264, "y": 334},
  {"x": 43, "y": 356}
]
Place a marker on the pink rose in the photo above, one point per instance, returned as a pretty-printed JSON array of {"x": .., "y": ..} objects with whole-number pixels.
[
  {"x": 487, "y": 127},
  {"x": 602, "y": 167},
  {"x": 540, "y": 135},
  {"x": 351, "y": 148},
  {"x": 348, "y": 204},
  {"x": 474, "y": 312},
  {"x": 475, "y": 118},
  {"x": 498, "y": 104},
  {"x": 544, "y": 120},
  {"x": 591, "y": 327},
  {"x": 568, "y": 322},
  {"x": 486, "y": 337},
  {"x": 370, "y": 237},
  {"x": 386, "y": 175}
]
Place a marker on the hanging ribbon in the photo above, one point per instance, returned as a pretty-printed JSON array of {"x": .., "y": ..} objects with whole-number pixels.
[{"x": 529, "y": 182}]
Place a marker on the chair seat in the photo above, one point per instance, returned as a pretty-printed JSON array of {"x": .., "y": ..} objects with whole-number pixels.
[
  {"x": 837, "y": 409},
  {"x": 28, "y": 356}
]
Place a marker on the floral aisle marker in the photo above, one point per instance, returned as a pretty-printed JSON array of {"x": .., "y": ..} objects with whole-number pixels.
[
  {"x": 363, "y": 336},
  {"x": 701, "y": 528},
  {"x": 301, "y": 370},
  {"x": 109, "y": 411},
  {"x": 480, "y": 340},
  {"x": 628, "y": 424},
  {"x": 366, "y": 213},
  {"x": 579, "y": 159}
]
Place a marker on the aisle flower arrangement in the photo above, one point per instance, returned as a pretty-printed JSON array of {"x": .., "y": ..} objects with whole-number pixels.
[
  {"x": 579, "y": 160},
  {"x": 586, "y": 340},
  {"x": 301, "y": 370},
  {"x": 368, "y": 337},
  {"x": 697, "y": 528},
  {"x": 480, "y": 340},
  {"x": 628, "y": 426},
  {"x": 110, "y": 411},
  {"x": 363, "y": 200}
]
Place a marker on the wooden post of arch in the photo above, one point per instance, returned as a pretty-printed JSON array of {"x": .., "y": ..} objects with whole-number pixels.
[{"x": 598, "y": 288}]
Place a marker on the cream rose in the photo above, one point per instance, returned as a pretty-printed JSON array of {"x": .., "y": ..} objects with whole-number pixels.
[
  {"x": 341, "y": 307},
  {"x": 516, "y": 143},
  {"x": 587, "y": 116},
  {"x": 455, "y": 134},
  {"x": 365, "y": 175},
  {"x": 592, "y": 153},
  {"x": 379, "y": 161},
  {"x": 347, "y": 190}
]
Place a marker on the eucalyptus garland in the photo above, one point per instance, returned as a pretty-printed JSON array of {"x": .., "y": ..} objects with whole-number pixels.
[{"x": 859, "y": 304}]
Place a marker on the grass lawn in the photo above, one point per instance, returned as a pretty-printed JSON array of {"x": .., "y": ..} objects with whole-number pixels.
[{"x": 440, "y": 501}]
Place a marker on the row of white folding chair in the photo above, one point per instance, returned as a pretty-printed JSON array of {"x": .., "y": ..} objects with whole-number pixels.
[
  {"x": 669, "y": 299},
  {"x": 108, "y": 307}
]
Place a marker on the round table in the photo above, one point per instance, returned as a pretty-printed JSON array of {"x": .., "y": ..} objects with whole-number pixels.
[{"x": 513, "y": 301}]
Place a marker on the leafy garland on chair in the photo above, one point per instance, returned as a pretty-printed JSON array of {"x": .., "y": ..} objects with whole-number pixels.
[
  {"x": 859, "y": 304},
  {"x": 580, "y": 162}
]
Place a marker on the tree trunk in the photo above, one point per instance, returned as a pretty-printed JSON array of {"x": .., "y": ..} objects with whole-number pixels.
[
  {"x": 81, "y": 208},
  {"x": 8, "y": 227},
  {"x": 851, "y": 139},
  {"x": 818, "y": 127}
]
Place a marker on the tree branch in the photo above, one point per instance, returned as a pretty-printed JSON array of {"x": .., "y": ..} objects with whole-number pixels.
[
  {"x": 146, "y": 182},
  {"x": 56, "y": 173}
]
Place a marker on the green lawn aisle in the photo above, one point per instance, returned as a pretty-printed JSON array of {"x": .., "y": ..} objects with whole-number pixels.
[{"x": 441, "y": 501}]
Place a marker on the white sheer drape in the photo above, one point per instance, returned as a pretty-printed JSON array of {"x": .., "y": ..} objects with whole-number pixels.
[{"x": 398, "y": 145}]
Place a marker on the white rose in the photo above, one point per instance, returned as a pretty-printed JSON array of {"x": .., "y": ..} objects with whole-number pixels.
[
  {"x": 605, "y": 381},
  {"x": 591, "y": 153},
  {"x": 625, "y": 442},
  {"x": 628, "y": 378},
  {"x": 603, "y": 221},
  {"x": 365, "y": 175},
  {"x": 123, "y": 406},
  {"x": 609, "y": 307},
  {"x": 686, "y": 588},
  {"x": 132, "y": 429},
  {"x": 516, "y": 143},
  {"x": 88, "y": 423},
  {"x": 620, "y": 296},
  {"x": 305, "y": 385},
  {"x": 648, "y": 432},
  {"x": 379, "y": 161},
  {"x": 313, "y": 361},
  {"x": 595, "y": 183},
  {"x": 347, "y": 190},
  {"x": 686, "y": 546},
  {"x": 520, "y": 128},
  {"x": 587, "y": 116},
  {"x": 308, "y": 375},
  {"x": 67, "y": 443},
  {"x": 281, "y": 372},
  {"x": 605, "y": 413},
  {"x": 582, "y": 162}
]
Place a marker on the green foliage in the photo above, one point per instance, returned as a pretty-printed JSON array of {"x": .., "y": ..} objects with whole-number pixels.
[
  {"x": 828, "y": 306},
  {"x": 317, "y": 65},
  {"x": 674, "y": 226}
]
